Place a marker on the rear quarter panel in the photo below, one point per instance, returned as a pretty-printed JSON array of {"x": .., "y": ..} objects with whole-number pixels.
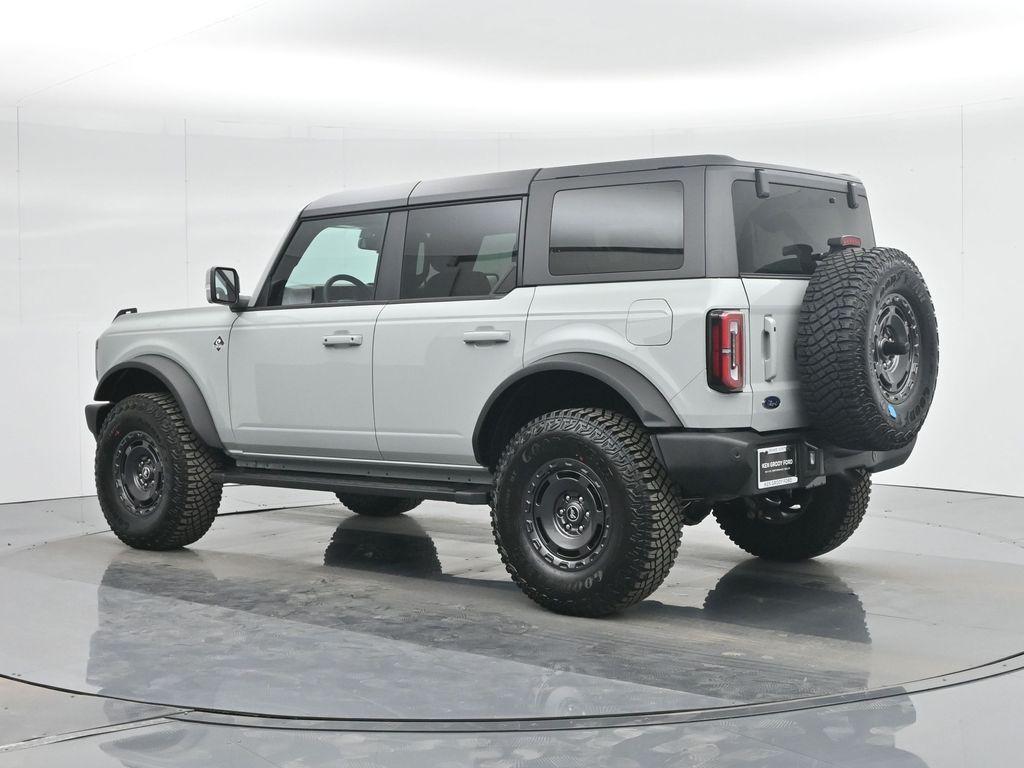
[{"x": 593, "y": 318}]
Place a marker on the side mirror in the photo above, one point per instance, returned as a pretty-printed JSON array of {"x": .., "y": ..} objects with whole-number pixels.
[{"x": 222, "y": 286}]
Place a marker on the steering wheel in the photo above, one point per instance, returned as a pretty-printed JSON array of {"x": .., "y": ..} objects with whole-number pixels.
[{"x": 363, "y": 287}]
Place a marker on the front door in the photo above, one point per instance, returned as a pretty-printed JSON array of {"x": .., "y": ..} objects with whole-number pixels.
[
  {"x": 300, "y": 362},
  {"x": 454, "y": 334}
]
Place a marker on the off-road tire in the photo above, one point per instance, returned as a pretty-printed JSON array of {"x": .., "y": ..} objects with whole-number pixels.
[
  {"x": 830, "y": 514},
  {"x": 378, "y": 506},
  {"x": 189, "y": 498},
  {"x": 644, "y": 514},
  {"x": 836, "y": 351}
]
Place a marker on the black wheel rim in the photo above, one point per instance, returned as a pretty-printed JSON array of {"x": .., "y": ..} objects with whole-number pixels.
[
  {"x": 897, "y": 348},
  {"x": 567, "y": 514},
  {"x": 138, "y": 473}
]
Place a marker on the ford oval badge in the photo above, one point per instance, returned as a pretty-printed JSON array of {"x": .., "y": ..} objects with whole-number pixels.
[{"x": 771, "y": 402}]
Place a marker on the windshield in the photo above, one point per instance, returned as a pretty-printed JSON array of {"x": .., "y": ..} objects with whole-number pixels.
[{"x": 789, "y": 218}]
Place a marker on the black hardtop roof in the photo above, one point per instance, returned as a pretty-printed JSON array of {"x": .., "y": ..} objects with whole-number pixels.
[{"x": 511, "y": 183}]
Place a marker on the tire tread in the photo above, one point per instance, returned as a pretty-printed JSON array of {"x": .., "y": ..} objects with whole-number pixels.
[
  {"x": 195, "y": 496},
  {"x": 834, "y": 324},
  {"x": 656, "y": 516},
  {"x": 834, "y": 513}
]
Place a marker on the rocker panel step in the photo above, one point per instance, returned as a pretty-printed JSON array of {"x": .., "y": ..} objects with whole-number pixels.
[{"x": 460, "y": 493}]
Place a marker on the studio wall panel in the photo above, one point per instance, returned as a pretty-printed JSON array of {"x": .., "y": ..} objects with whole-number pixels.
[
  {"x": 40, "y": 455},
  {"x": 9, "y": 287},
  {"x": 129, "y": 210},
  {"x": 992, "y": 367},
  {"x": 246, "y": 183},
  {"x": 376, "y": 157},
  {"x": 102, "y": 214},
  {"x": 540, "y": 149}
]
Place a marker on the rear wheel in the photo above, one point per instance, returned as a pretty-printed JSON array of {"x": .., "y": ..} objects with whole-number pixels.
[
  {"x": 153, "y": 474},
  {"x": 584, "y": 516},
  {"x": 797, "y": 525},
  {"x": 378, "y": 506}
]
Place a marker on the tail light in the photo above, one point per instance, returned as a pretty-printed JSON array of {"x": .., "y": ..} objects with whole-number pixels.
[{"x": 725, "y": 350}]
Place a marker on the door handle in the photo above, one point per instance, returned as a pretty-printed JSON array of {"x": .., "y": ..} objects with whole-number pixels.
[
  {"x": 343, "y": 340},
  {"x": 487, "y": 337},
  {"x": 770, "y": 348}
]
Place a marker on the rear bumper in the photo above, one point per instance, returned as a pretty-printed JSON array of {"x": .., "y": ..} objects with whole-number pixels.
[{"x": 723, "y": 465}]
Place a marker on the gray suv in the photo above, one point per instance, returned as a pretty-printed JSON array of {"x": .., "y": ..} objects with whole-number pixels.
[{"x": 601, "y": 353}]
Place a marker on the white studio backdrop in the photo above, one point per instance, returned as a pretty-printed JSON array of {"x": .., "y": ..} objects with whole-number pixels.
[{"x": 104, "y": 209}]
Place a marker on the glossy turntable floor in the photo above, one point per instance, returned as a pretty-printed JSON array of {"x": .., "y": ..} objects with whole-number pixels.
[{"x": 405, "y": 634}]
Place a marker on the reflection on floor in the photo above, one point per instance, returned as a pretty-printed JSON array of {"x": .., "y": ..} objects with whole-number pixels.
[{"x": 357, "y": 626}]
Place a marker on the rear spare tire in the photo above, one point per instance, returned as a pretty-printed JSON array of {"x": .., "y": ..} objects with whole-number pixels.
[{"x": 867, "y": 349}]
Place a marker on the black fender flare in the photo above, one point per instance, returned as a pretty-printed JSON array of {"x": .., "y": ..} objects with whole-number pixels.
[
  {"x": 636, "y": 389},
  {"x": 178, "y": 382}
]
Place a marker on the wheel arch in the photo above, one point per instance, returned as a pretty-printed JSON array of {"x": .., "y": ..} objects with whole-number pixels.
[
  {"x": 613, "y": 382},
  {"x": 142, "y": 374}
]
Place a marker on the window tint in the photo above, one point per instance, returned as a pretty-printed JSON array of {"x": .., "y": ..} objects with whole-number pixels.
[
  {"x": 790, "y": 217},
  {"x": 461, "y": 250},
  {"x": 329, "y": 261},
  {"x": 626, "y": 228}
]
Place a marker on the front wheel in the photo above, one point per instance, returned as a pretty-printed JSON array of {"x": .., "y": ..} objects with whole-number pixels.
[
  {"x": 798, "y": 525},
  {"x": 153, "y": 475},
  {"x": 584, "y": 516}
]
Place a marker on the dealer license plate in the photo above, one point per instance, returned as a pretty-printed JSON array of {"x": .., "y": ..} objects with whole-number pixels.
[{"x": 776, "y": 466}]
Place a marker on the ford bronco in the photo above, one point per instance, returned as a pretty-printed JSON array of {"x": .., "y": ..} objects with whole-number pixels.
[{"x": 601, "y": 353}]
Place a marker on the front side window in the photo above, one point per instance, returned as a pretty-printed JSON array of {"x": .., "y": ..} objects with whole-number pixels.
[
  {"x": 624, "y": 228},
  {"x": 330, "y": 261},
  {"x": 778, "y": 234},
  {"x": 461, "y": 250}
]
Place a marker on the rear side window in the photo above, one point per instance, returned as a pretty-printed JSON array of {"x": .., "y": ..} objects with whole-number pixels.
[
  {"x": 771, "y": 230},
  {"x": 461, "y": 250},
  {"x": 624, "y": 228}
]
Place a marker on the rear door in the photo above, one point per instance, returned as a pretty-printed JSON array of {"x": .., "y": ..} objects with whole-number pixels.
[
  {"x": 454, "y": 333},
  {"x": 776, "y": 234}
]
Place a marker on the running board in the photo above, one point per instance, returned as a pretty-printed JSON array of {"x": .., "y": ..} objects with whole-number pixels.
[{"x": 460, "y": 493}]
